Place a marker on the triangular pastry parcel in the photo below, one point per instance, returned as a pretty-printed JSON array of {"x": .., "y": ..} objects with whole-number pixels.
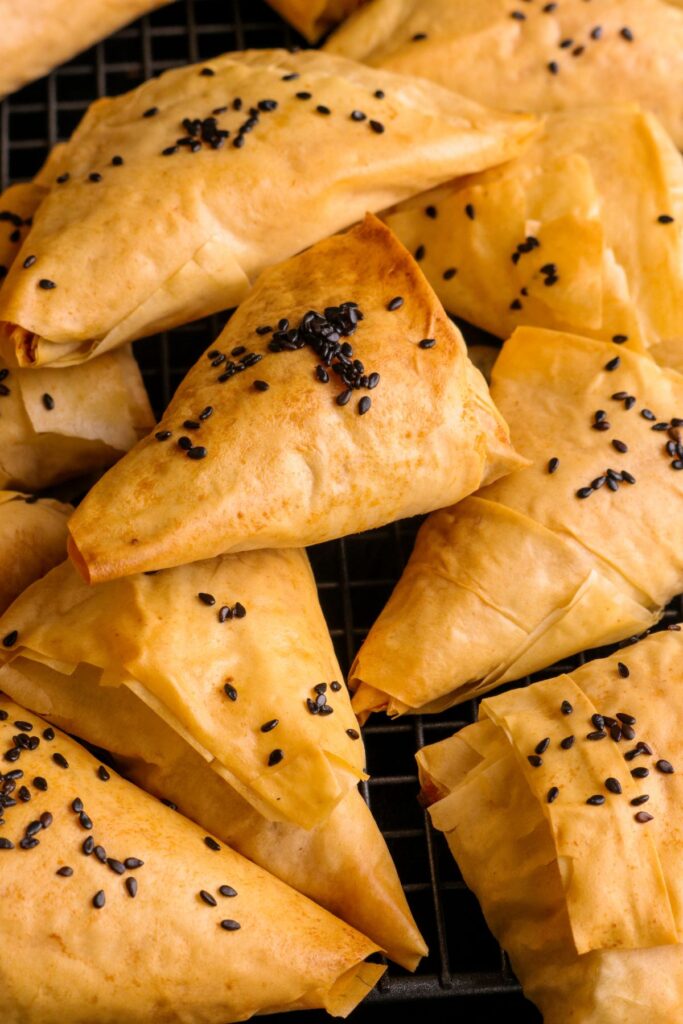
[
  {"x": 169, "y": 200},
  {"x": 116, "y": 908},
  {"x": 217, "y": 687},
  {"x": 32, "y": 541},
  {"x": 579, "y": 549},
  {"x": 357, "y": 406},
  {"x": 314, "y": 17},
  {"x": 56, "y": 424},
  {"x": 565, "y": 236},
  {"x": 37, "y": 37},
  {"x": 573, "y": 846},
  {"x": 517, "y": 55}
]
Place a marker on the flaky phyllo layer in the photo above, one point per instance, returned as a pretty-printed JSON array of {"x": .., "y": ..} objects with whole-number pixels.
[
  {"x": 579, "y": 549},
  {"x": 562, "y": 806}
]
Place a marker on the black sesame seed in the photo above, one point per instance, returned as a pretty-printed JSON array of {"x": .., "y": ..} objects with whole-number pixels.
[
  {"x": 427, "y": 343},
  {"x": 191, "y": 425},
  {"x": 291, "y": 76},
  {"x": 566, "y": 708},
  {"x": 60, "y": 760},
  {"x": 648, "y": 414},
  {"x": 208, "y": 898},
  {"x": 85, "y": 820},
  {"x": 225, "y": 613},
  {"x": 207, "y": 72},
  {"x": 6, "y": 844},
  {"x": 553, "y": 464},
  {"x": 584, "y": 492},
  {"x": 230, "y": 926},
  {"x": 613, "y": 785},
  {"x": 48, "y": 734},
  {"x": 628, "y": 477},
  {"x": 624, "y": 672},
  {"x": 10, "y": 639},
  {"x": 29, "y": 261},
  {"x": 163, "y": 435},
  {"x": 598, "y": 721},
  {"x": 567, "y": 742},
  {"x": 239, "y": 610},
  {"x": 269, "y": 726},
  {"x": 395, "y": 303},
  {"x": 116, "y": 866},
  {"x": 343, "y": 398},
  {"x": 303, "y": 95},
  {"x": 261, "y": 385},
  {"x": 117, "y": 161},
  {"x": 207, "y": 599},
  {"x": 132, "y": 887},
  {"x": 640, "y": 773},
  {"x": 596, "y": 801},
  {"x": 322, "y": 109},
  {"x": 353, "y": 733},
  {"x": 553, "y": 67},
  {"x": 516, "y": 304},
  {"x": 275, "y": 757},
  {"x": 205, "y": 413},
  {"x": 626, "y": 34},
  {"x": 598, "y": 734},
  {"x": 377, "y": 127},
  {"x": 103, "y": 774},
  {"x": 63, "y": 178},
  {"x": 227, "y": 890},
  {"x": 534, "y": 760},
  {"x": 613, "y": 363},
  {"x": 132, "y": 863},
  {"x": 95, "y": 177},
  {"x": 553, "y": 794},
  {"x": 46, "y": 284},
  {"x": 151, "y": 111},
  {"x": 169, "y": 151},
  {"x": 470, "y": 211},
  {"x": 40, "y": 783},
  {"x": 364, "y": 405},
  {"x": 419, "y": 36},
  {"x": 230, "y": 691},
  {"x": 642, "y": 817},
  {"x": 615, "y": 732},
  {"x": 65, "y": 872},
  {"x": 620, "y": 446},
  {"x": 665, "y": 767},
  {"x": 48, "y": 402},
  {"x": 643, "y": 748},
  {"x": 99, "y": 899},
  {"x": 419, "y": 253},
  {"x": 541, "y": 747},
  {"x": 211, "y": 843},
  {"x": 335, "y": 686},
  {"x": 596, "y": 32},
  {"x": 638, "y": 800},
  {"x": 665, "y": 218},
  {"x": 267, "y": 105},
  {"x": 619, "y": 339},
  {"x": 518, "y": 15},
  {"x": 198, "y": 452},
  {"x": 88, "y": 846}
]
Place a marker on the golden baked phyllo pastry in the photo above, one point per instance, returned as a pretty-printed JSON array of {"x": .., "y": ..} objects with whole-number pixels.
[
  {"x": 36, "y": 37},
  {"x": 579, "y": 549},
  {"x": 169, "y": 200},
  {"x": 56, "y": 424},
  {"x": 136, "y": 912},
  {"x": 217, "y": 687},
  {"x": 339, "y": 397},
  {"x": 572, "y": 845},
  {"x": 565, "y": 236},
  {"x": 314, "y": 17},
  {"x": 518, "y": 55},
  {"x": 32, "y": 540}
]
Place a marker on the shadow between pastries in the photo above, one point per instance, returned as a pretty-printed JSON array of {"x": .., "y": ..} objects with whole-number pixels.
[{"x": 580, "y": 548}]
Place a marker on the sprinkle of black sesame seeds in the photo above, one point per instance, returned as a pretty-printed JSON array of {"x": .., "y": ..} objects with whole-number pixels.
[
  {"x": 230, "y": 926},
  {"x": 534, "y": 760},
  {"x": 615, "y": 732},
  {"x": 364, "y": 404},
  {"x": 23, "y": 793},
  {"x": 642, "y": 817},
  {"x": 613, "y": 785},
  {"x": 65, "y": 872},
  {"x": 227, "y": 890},
  {"x": 596, "y": 801},
  {"x": 131, "y": 887},
  {"x": 275, "y": 757},
  {"x": 665, "y": 767},
  {"x": 46, "y": 284},
  {"x": 210, "y": 900},
  {"x": 567, "y": 742},
  {"x": 211, "y": 843},
  {"x": 620, "y": 446}
]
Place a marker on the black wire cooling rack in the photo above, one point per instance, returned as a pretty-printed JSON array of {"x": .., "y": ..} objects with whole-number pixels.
[{"x": 466, "y": 977}]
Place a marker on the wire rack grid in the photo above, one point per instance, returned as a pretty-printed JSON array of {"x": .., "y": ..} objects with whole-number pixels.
[{"x": 466, "y": 973}]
